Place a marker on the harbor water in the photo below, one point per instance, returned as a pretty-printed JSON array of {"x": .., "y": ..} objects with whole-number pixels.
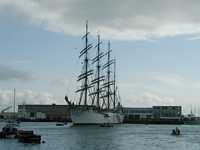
[{"x": 119, "y": 137}]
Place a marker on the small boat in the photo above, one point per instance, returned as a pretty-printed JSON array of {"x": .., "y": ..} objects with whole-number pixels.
[
  {"x": 9, "y": 131},
  {"x": 60, "y": 124},
  {"x": 176, "y": 132},
  {"x": 28, "y": 137},
  {"x": 22, "y": 133},
  {"x": 106, "y": 125}
]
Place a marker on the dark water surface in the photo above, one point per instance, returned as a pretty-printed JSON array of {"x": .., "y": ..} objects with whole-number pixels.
[{"x": 119, "y": 137}]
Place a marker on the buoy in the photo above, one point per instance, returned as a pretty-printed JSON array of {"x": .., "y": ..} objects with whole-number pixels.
[{"x": 43, "y": 142}]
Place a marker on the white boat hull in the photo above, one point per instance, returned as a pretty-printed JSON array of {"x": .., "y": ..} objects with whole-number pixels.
[{"x": 87, "y": 117}]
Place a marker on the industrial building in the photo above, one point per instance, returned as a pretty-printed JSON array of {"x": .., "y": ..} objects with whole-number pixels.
[
  {"x": 167, "y": 111},
  {"x": 7, "y": 115},
  {"x": 137, "y": 113},
  {"x": 155, "y": 114},
  {"x": 44, "y": 112}
]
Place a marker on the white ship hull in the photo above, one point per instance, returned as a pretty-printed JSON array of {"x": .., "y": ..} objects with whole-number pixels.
[{"x": 87, "y": 117}]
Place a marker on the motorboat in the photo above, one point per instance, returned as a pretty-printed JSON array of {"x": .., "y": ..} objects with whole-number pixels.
[
  {"x": 60, "y": 124},
  {"x": 106, "y": 125},
  {"x": 9, "y": 130}
]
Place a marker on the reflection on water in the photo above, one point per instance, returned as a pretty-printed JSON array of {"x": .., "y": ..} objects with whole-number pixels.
[{"x": 119, "y": 137}]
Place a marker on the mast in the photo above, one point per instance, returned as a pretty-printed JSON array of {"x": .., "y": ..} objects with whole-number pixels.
[
  {"x": 114, "y": 92},
  {"x": 86, "y": 72},
  {"x": 109, "y": 82},
  {"x": 108, "y": 76},
  {"x": 98, "y": 77},
  {"x": 86, "y": 63},
  {"x": 98, "y": 70},
  {"x": 14, "y": 100}
]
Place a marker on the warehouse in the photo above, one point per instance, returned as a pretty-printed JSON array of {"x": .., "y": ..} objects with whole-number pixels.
[
  {"x": 62, "y": 113},
  {"x": 167, "y": 111},
  {"x": 137, "y": 113},
  {"x": 155, "y": 112},
  {"x": 44, "y": 112}
]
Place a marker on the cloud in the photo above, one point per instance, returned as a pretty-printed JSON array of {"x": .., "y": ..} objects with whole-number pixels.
[
  {"x": 25, "y": 97},
  {"x": 161, "y": 80},
  {"x": 175, "y": 81},
  {"x": 64, "y": 86},
  {"x": 159, "y": 88},
  {"x": 124, "y": 20},
  {"x": 172, "y": 80},
  {"x": 194, "y": 38},
  {"x": 148, "y": 99},
  {"x": 59, "y": 82},
  {"x": 8, "y": 73}
]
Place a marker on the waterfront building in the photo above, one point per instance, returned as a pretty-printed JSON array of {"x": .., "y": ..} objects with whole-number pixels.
[
  {"x": 167, "y": 111},
  {"x": 62, "y": 113},
  {"x": 153, "y": 113},
  {"x": 44, "y": 112},
  {"x": 7, "y": 115},
  {"x": 138, "y": 113}
]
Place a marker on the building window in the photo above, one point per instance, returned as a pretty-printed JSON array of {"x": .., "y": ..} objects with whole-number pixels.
[{"x": 32, "y": 114}]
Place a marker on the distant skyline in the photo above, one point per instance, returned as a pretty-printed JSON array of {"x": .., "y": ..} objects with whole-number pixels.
[{"x": 156, "y": 44}]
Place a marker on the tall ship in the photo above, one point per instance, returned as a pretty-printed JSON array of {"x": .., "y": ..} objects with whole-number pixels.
[{"x": 99, "y": 100}]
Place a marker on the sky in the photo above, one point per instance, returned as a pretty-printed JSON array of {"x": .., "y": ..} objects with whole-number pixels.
[{"x": 156, "y": 44}]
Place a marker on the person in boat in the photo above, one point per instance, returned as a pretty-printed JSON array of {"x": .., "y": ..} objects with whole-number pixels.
[{"x": 176, "y": 131}]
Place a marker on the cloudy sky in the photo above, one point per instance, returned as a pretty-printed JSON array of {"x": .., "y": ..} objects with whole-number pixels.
[{"x": 156, "y": 44}]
